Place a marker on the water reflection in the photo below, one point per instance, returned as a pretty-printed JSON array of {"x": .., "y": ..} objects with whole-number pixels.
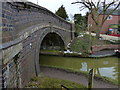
[{"x": 107, "y": 67}]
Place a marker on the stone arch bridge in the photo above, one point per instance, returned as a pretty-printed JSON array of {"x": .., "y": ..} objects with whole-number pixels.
[{"x": 23, "y": 28}]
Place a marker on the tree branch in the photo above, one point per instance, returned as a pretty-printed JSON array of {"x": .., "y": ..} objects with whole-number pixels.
[
  {"x": 82, "y": 3},
  {"x": 98, "y": 3},
  {"x": 107, "y": 6},
  {"x": 110, "y": 13},
  {"x": 92, "y": 4},
  {"x": 94, "y": 19},
  {"x": 83, "y": 8}
]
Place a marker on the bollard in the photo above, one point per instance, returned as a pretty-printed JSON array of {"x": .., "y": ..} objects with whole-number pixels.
[{"x": 90, "y": 81}]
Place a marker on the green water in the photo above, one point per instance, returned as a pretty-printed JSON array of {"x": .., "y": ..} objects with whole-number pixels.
[{"x": 107, "y": 67}]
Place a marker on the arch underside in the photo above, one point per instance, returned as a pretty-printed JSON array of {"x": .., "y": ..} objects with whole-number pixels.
[
  {"x": 54, "y": 34},
  {"x": 52, "y": 41}
]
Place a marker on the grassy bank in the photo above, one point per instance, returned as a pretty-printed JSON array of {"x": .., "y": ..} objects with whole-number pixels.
[
  {"x": 59, "y": 53},
  {"x": 83, "y": 44},
  {"x": 98, "y": 77},
  {"x": 46, "y": 82},
  {"x": 80, "y": 45},
  {"x": 75, "y": 64},
  {"x": 51, "y": 52}
]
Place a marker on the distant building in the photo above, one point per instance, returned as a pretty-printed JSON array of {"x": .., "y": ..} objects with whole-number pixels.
[{"x": 113, "y": 19}]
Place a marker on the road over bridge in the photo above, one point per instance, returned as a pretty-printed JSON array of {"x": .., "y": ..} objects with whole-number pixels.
[{"x": 24, "y": 26}]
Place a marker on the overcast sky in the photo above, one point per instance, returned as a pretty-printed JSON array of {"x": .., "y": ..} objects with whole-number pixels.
[
  {"x": 71, "y": 9},
  {"x": 53, "y": 6}
]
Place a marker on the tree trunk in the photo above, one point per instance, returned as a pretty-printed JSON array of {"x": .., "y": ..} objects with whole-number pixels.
[{"x": 98, "y": 32}]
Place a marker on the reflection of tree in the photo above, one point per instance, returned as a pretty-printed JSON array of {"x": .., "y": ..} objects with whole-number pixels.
[
  {"x": 116, "y": 72},
  {"x": 103, "y": 63},
  {"x": 98, "y": 72}
]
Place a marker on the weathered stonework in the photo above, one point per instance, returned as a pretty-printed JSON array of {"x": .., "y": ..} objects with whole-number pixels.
[{"x": 24, "y": 26}]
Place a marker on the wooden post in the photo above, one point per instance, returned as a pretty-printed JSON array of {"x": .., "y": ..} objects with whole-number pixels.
[
  {"x": 64, "y": 88},
  {"x": 91, "y": 76}
]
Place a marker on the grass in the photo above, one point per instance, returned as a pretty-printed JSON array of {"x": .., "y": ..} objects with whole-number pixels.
[
  {"x": 82, "y": 44},
  {"x": 47, "y": 82},
  {"x": 51, "y": 52},
  {"x": 109, "y": 80},
  {"x": 74, "y": 64},
  {"x": 58, "y": 53},
  {"x": 106, "y": 79}
]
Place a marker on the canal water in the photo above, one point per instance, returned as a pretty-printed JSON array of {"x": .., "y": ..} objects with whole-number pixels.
[{"x": 106, "y": 67}]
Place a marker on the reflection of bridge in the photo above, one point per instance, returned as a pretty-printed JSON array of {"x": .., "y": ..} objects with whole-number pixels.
[{"x": 24, "y": 26}]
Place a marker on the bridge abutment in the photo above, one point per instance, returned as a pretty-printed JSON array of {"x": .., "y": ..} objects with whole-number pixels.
[{"x": 23, "y": 30}]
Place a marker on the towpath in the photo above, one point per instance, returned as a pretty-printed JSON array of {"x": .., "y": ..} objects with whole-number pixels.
[{"x": 75, "y": 77}]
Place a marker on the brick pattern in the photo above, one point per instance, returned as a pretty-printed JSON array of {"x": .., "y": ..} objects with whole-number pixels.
[
  {"x": 103, "y": 47},
  {"x": 15, "y": 20},
  {"x": 114, "y": 20},
  {"x": 27, "y": 26}
]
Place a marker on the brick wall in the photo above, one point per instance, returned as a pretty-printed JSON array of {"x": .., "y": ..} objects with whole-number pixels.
[
  {"x": 103, "y": 47},
  {"x": 23, "y": 30},
  {"x": 114, "y": 20}
]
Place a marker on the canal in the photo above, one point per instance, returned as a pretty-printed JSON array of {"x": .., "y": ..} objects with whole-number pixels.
[{"x": 105, "y": 67}]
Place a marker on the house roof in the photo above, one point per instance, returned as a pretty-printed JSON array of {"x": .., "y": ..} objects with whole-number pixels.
[{"x": 116, "y": 12}]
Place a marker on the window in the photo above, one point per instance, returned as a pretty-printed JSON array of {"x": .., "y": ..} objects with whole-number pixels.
[{"x": 109, "y": 17}]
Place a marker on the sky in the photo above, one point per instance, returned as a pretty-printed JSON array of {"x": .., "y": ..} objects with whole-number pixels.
[
  {"x": 71, "y": 9},
  {"x": 53, "y": 6}
]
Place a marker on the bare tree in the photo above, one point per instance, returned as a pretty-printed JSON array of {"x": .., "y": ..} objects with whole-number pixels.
[{"x": 94, "y": 6}]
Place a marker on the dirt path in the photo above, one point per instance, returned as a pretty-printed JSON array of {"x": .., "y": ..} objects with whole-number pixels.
[{"x": 75, "y": 77}]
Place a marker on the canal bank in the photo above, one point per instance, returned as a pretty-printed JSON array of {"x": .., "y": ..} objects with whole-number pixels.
[
  {"x": 106, "y": 68},
  {"x": 68, "y": 53},
  {"x": 57, "y": 64},
  {"x": 76, "y": 77},
  {"x": 46, "y": 83}
]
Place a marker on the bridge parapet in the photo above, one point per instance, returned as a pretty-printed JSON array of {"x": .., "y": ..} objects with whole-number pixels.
[
  {"x": 105, "y": 47},
  {"x": 19, "y": 16},
  {"x": 23, "y": 27}
]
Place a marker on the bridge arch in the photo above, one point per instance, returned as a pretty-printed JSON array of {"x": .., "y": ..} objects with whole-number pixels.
[
  {"x": 25, "y": 27},
  {"x": 45, "y": 32},
  {"x": 52, "y": 41}
]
